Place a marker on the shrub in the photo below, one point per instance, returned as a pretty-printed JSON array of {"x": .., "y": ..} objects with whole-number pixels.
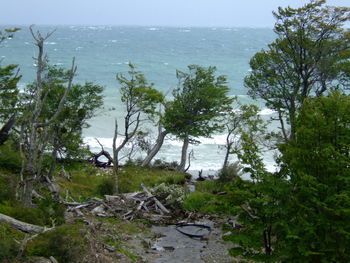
[
  {"x": 230, "y": 173},
  {"x": 172, "y": 195},
  {"x": 65, "y": 243},
  {"x": 106, "y": 187},
  {"x": 8, "y": 246},
  {"x": 161, "y": 164},
  {"x": 10, "y": 159},
  {"x": 7, "y": 188}
]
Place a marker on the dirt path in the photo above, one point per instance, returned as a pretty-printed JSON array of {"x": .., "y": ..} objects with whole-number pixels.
[{"x": 174, "y": 247}]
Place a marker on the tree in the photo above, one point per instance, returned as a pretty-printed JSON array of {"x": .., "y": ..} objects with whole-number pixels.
[
  {"x": 9, "y": 77},
  {"x": 238, "y": 123},
  {"x": 299, "y": 214},
  {"x": 81, "y": 104},
  {"x": 140, "y": 100},
  {"x": 35, "y": 129},
  {"x": 309, "y": 57},
  {"x": 317, "y": 162},
  {"x": 198, "y": 108}
]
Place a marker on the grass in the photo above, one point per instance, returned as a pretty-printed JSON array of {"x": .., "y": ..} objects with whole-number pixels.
[
  {"x": 206, "y": 200},
  {"x": 86, "y": 180},
  {"x": 131, "y": 178}
]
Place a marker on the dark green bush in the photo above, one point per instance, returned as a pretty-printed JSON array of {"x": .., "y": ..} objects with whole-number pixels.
[
  {"x": 8, "y": 247},
  {"x": 161, "y": 164},
  {"x": 65, "y": 243},
  {"x": 10, "y": 159},
  {"x": 106, "y": 187},
  {"x": 7, "y": 188}
]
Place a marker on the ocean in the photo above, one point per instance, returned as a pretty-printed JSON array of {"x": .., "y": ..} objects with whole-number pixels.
[{"x": 101, "y": 52}]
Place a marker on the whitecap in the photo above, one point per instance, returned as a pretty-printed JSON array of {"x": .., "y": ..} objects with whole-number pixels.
[
  {"x": 266, "y": 112},
  {"x": 153, "y": 29},
  {"x": 166, "y": 63},
  {"x": 50, "y": 43}
]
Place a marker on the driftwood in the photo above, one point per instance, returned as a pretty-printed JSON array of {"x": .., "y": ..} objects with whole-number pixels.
[
  {"x": 159, "y": 204},
  {"x": 22, "y": 226},
  {"x": 104, "y": 153},
  {"x": 127, "y": 206}
]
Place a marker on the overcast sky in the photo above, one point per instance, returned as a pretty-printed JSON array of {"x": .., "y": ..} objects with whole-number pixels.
[{"x": 229, "y": 13}]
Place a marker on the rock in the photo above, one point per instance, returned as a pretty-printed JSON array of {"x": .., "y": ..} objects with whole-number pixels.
[
  {"x": 98, "y": 210},
  {"x": 40, "y": 260}
]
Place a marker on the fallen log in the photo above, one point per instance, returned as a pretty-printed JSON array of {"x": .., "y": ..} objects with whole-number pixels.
[{"x": 22, "y": 226}]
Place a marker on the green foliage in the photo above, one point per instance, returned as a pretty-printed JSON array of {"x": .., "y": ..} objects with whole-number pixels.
[
  {"x": 10, "y": 159},
  {"x": 171, "y": 195},
  {"x": 137, "y": 94},
  {"x": 8, "y": 33},
  {"x": 9, "y": 78},
  {"x": 65, "y": 243},
  {"x": 132, "y": 177},
  {"x": 317, "y": 163},
  {"x": 9, "y": 248},
  {"x": 199, "y": 103},
  {"x": 309, "y": 57},
  {"x": 230, "y": 173},
  {"x": 84, "y": 180},
  {"x": 106, "y": 187},
  {"x": 81, "y": 104},
  {"x": 206, "y": 199},
  {"x": 300, "y": 213},
  {"x": 161, "y": 164},
  {"x": 45, "y": 213}
]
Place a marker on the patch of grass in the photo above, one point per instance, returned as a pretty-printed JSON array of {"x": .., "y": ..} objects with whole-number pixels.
[
  {"x": 84, "y": 181},
  {"x": 206, "y": 199},
  {"x": 45, "y": 213},
  {"x": 210, "y": 186},
  {"x": 131, "y": 178},
  {"x": 127, "y": 227}
]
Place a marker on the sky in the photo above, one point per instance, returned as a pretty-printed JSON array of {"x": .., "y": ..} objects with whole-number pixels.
[{"x": 187, "y": 13}]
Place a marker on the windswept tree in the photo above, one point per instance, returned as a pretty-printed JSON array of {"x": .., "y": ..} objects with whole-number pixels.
[
  {"x": 81, "y": 104},
  {"x": 140, "y": 99},
  {"x": 34, "y": 128},
  {"x": 245, "y": 119},
  {"x": 9, "y": 77},
  {"x": 309, "y": 57},
  {"x": 198, "y": 108}
]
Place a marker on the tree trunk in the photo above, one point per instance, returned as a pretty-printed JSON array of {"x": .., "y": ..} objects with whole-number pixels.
[
  {"x": 228, "y": 149},
  {"x": 27, "y": 190},
  {"x": 22, "y": 226},
  {"x": 155, "y": 149},
  {"x": 4, "y": 132},
  {"x": 182, "y": 165},
  {"x": 115, "y": 158}
]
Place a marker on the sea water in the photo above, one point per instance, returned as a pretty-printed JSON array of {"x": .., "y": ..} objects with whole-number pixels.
[{"x": 101, "y": 52}]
